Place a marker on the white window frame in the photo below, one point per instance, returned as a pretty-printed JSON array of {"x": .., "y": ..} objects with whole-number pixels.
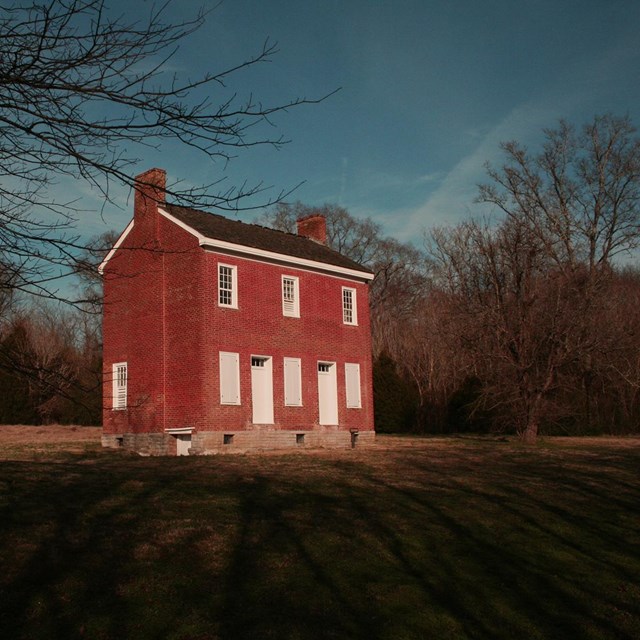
[
  {"x": 353, "y": 389},
  {"x": 226, "y": 397},
  {"x": 349, "y": 313},
  {"x": 120, "y": 378},
  {"x": 291, "y": 308},
  {"x": 289, "y": 392},
  {"x": 234, "y": 286}
]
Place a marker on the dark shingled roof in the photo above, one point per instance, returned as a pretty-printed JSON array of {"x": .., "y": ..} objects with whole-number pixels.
[{"x": 218, "y": 227}]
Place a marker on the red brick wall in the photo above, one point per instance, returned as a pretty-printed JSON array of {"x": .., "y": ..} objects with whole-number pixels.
[
  {"x": 162, "y": 318},
  {"x": 258, "y": 327},
  {"x": 132, "y": 324}
]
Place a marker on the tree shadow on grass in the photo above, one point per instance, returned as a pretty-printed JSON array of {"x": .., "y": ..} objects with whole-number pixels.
[
  {"x": 552, "y": 537},
  {"x": 304, "y": 547}
]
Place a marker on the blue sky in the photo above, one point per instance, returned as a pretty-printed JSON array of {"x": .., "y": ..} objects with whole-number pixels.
[{"x": 428, "y": 91}]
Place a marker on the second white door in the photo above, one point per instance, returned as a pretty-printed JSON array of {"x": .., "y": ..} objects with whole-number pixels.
[
  {"x": 262, "y": 389},
  {"x": 327, "y": 393}
]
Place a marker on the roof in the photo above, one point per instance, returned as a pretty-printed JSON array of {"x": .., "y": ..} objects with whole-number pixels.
[{"x": 217, "y": 227}]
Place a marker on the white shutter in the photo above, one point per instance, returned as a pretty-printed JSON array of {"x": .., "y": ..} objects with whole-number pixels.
[
  {"x": 352, "y": 379},
  {"x": 229, "y": 378},
  {"x": 292, "y": 382},
  {"x": 119, "y": 385}
]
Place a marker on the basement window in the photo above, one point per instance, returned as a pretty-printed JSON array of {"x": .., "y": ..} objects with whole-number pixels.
[
  {"x": 227, "y": 438},
  {"x": 300, "y": 438}
]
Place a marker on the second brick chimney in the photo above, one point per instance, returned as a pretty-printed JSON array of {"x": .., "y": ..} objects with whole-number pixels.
[{"x": 313, "y": 227}]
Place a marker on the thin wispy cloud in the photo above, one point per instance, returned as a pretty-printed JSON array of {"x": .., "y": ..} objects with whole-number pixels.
[{"x": 453, "y": 199}]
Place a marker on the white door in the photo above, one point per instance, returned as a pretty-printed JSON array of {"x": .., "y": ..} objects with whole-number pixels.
[
  {"x": 327, "y": 393},
  {"x": 262, "y": 389},
  {"x": 183, "y": 444}
]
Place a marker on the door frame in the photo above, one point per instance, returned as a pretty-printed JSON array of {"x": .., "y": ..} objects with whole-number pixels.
[
  {"x": 327, "y": 393},
  {"x": 262, "y": 389}
]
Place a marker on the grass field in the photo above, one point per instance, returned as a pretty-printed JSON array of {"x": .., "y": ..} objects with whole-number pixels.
[{"x": 416, "y": 538}]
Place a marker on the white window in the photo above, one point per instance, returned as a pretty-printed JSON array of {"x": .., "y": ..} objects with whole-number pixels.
[
  {"x": 292, "y": 382},
  {"x": 352, "y": 381},
  {"x": 120, "y": 385},
  {"x": 229, "y": 378},
  {"x": 227, "y": 286},
  {"x": 290, "y": 297},
  {"x": 349, "y": 310}
]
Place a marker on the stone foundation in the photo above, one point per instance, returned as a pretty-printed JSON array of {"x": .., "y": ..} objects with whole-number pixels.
[{"x": 216, "y": 442}]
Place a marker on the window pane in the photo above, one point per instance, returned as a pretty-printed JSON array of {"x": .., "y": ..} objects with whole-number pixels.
[
  {"x": 348, "y": 306},
  {"x": 287, "y": 290},
  {"x": 290, "y": 305},
  {"x": 225, "y": 285}
]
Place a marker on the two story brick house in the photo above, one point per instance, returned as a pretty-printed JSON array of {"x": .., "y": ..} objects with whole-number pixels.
[{"x": 221, "y": 335}]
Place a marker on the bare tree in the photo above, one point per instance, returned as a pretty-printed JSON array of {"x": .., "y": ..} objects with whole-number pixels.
[
  {"x": 86, "y": 271},
  {"x": 580, "y": 195},
  {"x": 7, "y": 278},
  {"x": 519, "y": 320},
  {"x": 41, "y": 353},
  {"x": 82, "y": 92},
  {"x": 528, "y": 291}
]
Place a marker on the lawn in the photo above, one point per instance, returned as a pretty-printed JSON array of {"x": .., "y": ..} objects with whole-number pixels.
[{"x": 415, "y": 538}]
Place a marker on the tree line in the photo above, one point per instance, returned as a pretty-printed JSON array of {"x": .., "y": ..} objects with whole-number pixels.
[
  {"x": 51, "y": 352},
  {"x": 525, "y": 320}
]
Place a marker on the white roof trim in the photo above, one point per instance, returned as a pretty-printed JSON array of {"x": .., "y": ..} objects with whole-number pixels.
[
  {"x": 119, "y": 241},
  {"x": 203, "y": 241}
]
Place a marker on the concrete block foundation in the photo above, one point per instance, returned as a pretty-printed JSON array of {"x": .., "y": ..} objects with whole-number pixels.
[{"x": 242, "y": 441}]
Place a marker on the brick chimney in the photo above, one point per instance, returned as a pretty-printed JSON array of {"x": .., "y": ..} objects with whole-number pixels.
[
  {"x": 149, "y": 192},
  {"x": 313, "y": 227}
]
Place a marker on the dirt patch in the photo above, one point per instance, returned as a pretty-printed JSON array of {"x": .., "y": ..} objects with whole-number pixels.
[
  {"x": 27, "y": 442},
  {"x": 28, "y": 434}
]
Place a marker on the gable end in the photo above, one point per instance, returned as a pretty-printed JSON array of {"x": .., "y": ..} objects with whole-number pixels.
[{"x": 116, "y": 246}]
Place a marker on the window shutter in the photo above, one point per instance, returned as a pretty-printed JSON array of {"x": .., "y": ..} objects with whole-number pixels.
[
  {"x": 292, "y": 382},
  {"x": 352, "y": 379},
  {"x": 229, "y": 378}
]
